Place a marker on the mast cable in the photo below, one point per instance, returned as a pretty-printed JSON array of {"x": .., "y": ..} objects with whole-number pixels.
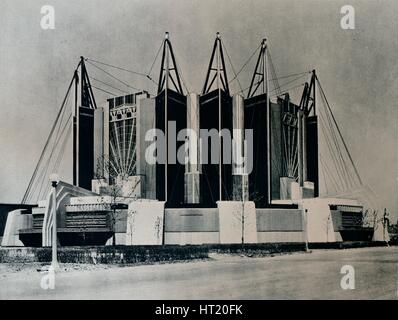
[
  {"x": 116, "y": 67},
  {"x": 338, "y": 129},
  {"x": 245, "y": 64},
  {"x": 112, "y": 76},
  {"x": 107, "y": 84},
  {"x": 232, "y": 66},
  {"x": 105, "y": 91},
  {"x": 48, "y": 140}
]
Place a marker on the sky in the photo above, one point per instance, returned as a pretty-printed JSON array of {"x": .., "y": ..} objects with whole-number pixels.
[{"x": 357, "y": 68}]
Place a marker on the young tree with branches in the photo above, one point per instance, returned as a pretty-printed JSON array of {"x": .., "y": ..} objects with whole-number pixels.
[{"x": 117, "y": 191}]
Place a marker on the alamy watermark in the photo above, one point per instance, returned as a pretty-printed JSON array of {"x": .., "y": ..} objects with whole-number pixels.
[
  {"x": 220, "y": 146},
  {"x": 347, "y": 282},
  {"x": 48, "y": 279},
  {"x": 347, "y": 22},
  {"x": 47, "y": 20}
]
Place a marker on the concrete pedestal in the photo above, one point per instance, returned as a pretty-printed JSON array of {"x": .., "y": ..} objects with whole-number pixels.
[
  {"x": 295, "y": 191},
  {"x": 319, "y": 223},
  {"x": 307, "y": 191},
  {"x": 285, "y": 188},
  {"x": 99, "y": 186}
]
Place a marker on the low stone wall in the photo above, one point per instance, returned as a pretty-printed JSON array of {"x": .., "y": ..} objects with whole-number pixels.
[
  {"x": 105, "y": 254},
  {"x": 281, "y": 236},
  {"x": 195, "y": 238},
  {"x": 346, "y": 245},
  {"x": 168, "y": 253},
  {"x": 256, "y": 248},
  {"x": 140, "y": 254}
]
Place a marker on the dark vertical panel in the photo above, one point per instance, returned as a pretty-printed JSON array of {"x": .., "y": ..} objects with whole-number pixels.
[
  {"x": 74, "y": 137},
  {"x": 277, "y": 154},
  {"x": 256, "y": 119},
  {"x": 160, "y": 168},
  {"x": 86, "y": 147},
  {"x": 176, "y": 111},
  {"x": 312, "y": 152},
  {"x": 226, "y": 122},
  {"x": 209, "y": 179},
  {"x": 74, "y": 151},
  {"x": 209, "y": 119}
]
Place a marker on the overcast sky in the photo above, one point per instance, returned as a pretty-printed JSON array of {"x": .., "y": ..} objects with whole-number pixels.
[{"x": 358, "y": 68}]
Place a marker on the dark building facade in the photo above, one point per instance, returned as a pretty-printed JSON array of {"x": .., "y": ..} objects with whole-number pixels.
[
  {"x": 210, "y": 119},
  {"x": 176, "y": 113},
  {"x": 312, "y": 152},
  {"x": 256, "y": 119},
  {"x": 85, "y": 153}
]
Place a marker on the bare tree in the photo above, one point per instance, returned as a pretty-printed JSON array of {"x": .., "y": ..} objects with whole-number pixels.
[
  {"x": 386, "y": 223},
  {"x": 241, "y": 216},
  {"x": 371, "y": 219},
  {"x": 131, "y": 223},
  {"x": 393, "y": 232},
  {"x": 116, "y": 191},
  {"x": 327, "y": 226},
  {"x": 158, "y": 225}
]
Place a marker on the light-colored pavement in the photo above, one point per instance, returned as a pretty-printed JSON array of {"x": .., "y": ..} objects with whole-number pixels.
[{"x": 313, "y": 275}]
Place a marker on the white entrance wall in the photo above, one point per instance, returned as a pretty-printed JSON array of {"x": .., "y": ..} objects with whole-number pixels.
[
  {"x": 319, "y": 222},
  {"x": 145, "y": 222},
  {"x": 15, "y": 221},
  {"x": 230, "y": 217}
]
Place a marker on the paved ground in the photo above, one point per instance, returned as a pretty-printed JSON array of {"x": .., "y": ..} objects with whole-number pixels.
[{"x": 313, "y": 275}]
